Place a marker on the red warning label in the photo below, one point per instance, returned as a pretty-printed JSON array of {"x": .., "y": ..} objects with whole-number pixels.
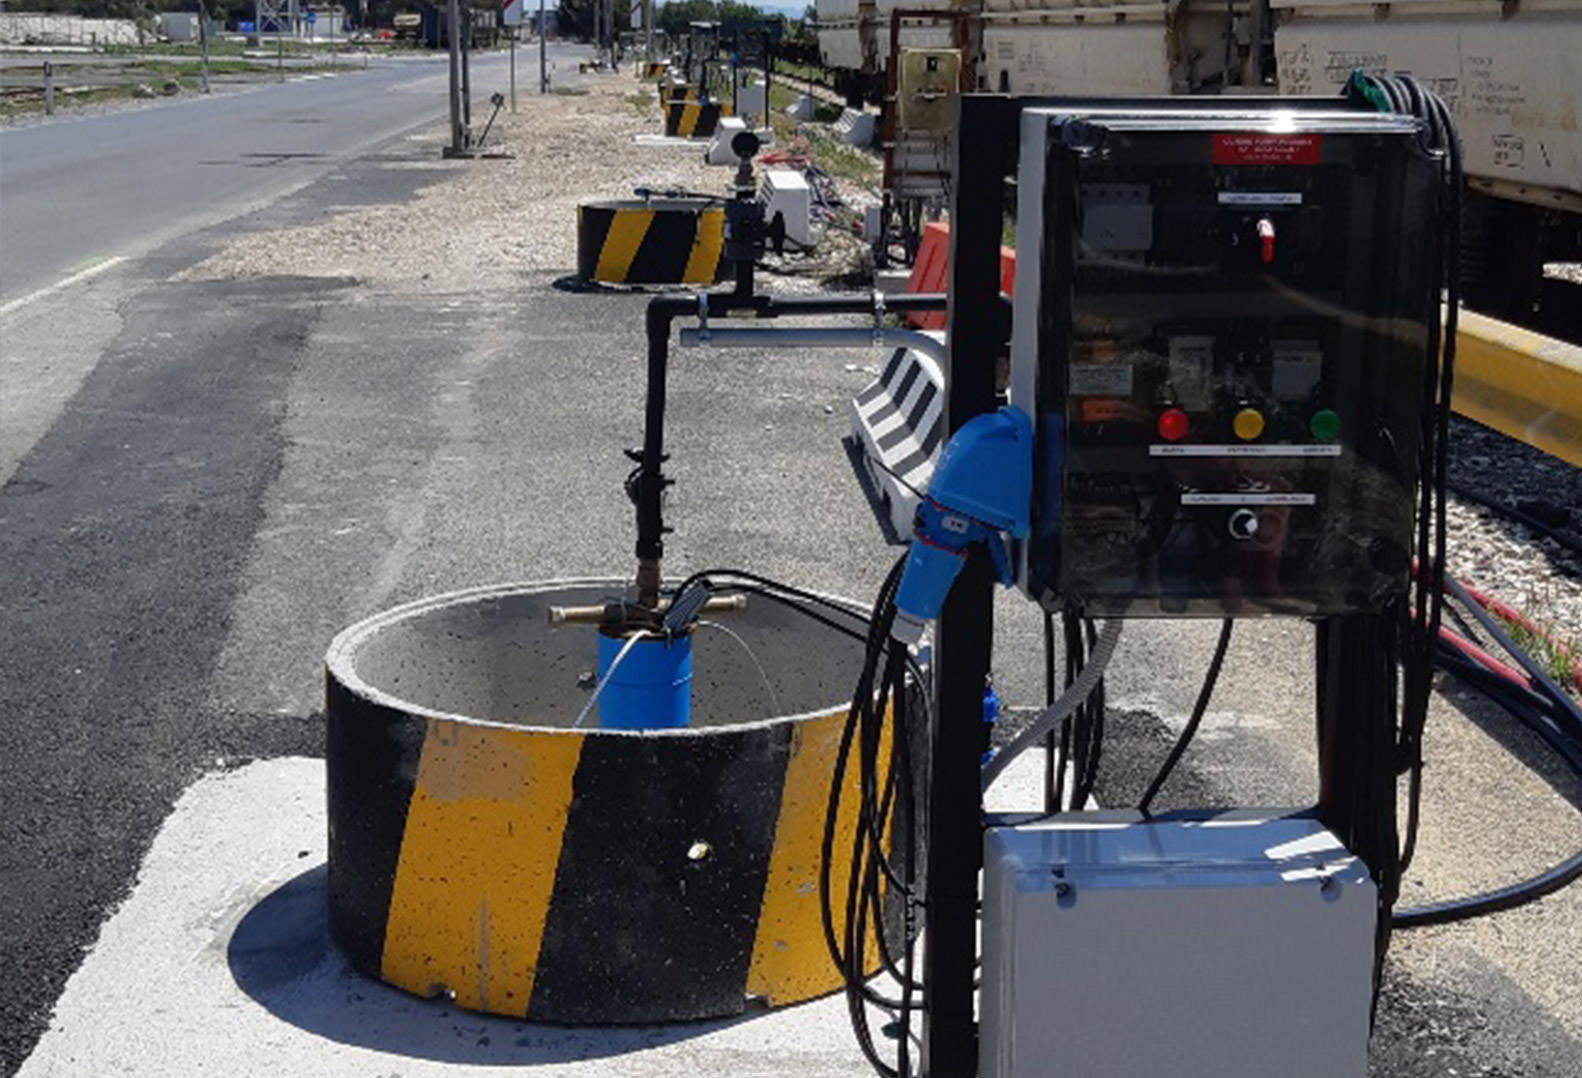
[{"x": 1262, "y": 149}]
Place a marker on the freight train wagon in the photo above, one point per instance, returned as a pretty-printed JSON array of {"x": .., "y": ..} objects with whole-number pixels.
[{"x": 1511, "y": 73}]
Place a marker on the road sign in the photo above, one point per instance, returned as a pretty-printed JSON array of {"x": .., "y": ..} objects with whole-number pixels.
[{"x": 514, "y": 12}]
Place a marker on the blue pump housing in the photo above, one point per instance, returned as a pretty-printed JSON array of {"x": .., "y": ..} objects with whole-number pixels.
[
  {"x": 651, "y": 688},
  {"x": 982, "y": 486}
]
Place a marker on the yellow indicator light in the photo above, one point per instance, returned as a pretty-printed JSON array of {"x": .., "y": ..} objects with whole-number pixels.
[{"x": 1248, "y": 424}]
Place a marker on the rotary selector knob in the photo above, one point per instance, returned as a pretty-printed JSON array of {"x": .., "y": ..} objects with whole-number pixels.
[{"x": 1243, "y": 524}]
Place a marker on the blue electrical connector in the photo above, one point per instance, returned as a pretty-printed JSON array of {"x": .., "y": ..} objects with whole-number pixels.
[{"x": 982, "y": 486}]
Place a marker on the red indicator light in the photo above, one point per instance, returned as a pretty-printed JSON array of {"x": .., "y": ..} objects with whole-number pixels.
[
  {"x": 1173, "y": 425},
  {"x": 1266, "y": 237}
]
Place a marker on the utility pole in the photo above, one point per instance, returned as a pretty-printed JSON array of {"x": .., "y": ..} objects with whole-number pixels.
[
  {"x": 458, "y": 134},
  {"x": 466, "y": 69},
  {"x": 203, "y": 44}
]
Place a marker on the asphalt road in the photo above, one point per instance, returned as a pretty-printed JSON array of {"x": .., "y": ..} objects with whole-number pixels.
[
  {"x": 207, "y": 479},
  {"x": 80, "y": 190},
  {"x": 140, "y": 427}
]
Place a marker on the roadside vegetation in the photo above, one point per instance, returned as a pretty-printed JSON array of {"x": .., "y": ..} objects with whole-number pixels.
[{"x": 165, "y": 73}]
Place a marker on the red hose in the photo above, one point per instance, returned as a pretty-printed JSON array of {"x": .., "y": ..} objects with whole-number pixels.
[
  {"x": 1509, "y": 613},
  {"x": 1483, "y": 658}
]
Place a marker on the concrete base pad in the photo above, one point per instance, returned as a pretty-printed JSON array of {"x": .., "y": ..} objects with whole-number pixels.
[{"x": 219, "y": 963}]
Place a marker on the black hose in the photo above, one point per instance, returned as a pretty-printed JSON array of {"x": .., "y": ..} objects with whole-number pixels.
[
  {"x": 1506, "y": 898},
  {"x": 1199, "y": 709},
  {"x": 1525, "y": 519}
]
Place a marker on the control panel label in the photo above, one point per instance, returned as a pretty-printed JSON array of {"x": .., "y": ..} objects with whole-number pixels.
[
  {"x": 1101, "y": 379},
  {"x": 1168, "y": 450},
  {"x": 1260, "y": 198},
  {"x": 1268, "y": 149},
  {"x": 1246, "y": 498}
]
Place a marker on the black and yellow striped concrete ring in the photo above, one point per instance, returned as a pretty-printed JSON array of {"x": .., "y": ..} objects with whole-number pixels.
[{"x": 482, "y": 848}]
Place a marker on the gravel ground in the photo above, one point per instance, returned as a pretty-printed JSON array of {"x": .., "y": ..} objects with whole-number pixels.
[
  {"x": 1532, "y": 569},
  {"x": 509, "y": 217}
]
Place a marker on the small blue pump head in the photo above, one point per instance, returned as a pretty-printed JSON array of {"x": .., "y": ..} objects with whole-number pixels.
[{"x": 982, "y": 486}]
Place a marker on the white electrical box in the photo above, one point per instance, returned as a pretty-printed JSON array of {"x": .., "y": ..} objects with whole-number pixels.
[
  {"x": 785, "y": 191},
  {"x": 1236, "y": 944}
]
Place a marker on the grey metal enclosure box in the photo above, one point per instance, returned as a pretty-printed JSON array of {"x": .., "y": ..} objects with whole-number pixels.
[{"x": 1236, "y": 944}]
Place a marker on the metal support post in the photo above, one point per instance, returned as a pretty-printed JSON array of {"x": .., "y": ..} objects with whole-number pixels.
[
  {"x": 1357, "y": 663},
  {"x": 458, "y": 133},
  {"x": 280, "y": 54},
  {"x": 203, "y": 45},
  {"x": 513, "y": 73},
  {"x": 986, "y": 149},
  {"x": 466, "y": 69},
  {"x": 49, "y": 88},
  {"x": 543, "y": 53}
]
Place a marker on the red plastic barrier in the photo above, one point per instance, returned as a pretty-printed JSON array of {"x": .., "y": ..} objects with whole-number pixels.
[{"x": 931, "y": 272}]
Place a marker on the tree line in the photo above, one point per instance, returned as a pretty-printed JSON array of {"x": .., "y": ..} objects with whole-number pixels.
[{"x": 576, "y": 16}]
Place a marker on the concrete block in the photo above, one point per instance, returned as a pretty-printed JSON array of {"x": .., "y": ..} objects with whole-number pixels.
[{"x": 719, "y": 151}]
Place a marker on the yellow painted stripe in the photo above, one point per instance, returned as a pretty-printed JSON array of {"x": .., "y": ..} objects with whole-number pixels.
[
  {"x": 706, "y": 247},
  {"x": 627, "y": 230},
  {"x": 689, "y": 119},
  {"x": 1520, "y": 383},
  {"x": 477, "y": 863},
  {"x": 790, "y": 961}
]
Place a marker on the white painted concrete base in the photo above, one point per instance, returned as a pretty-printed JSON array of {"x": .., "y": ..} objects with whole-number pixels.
[{"x": 219, "y": 964}]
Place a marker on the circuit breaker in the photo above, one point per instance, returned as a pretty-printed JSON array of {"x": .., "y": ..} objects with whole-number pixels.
[{"x": 1220, "y": 333}]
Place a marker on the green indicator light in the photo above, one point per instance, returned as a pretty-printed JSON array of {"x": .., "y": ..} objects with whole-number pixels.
[{"x": 1325, "y": 425}]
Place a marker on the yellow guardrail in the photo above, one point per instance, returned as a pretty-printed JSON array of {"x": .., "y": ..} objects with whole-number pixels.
[{"x": 1522, "y": 384}]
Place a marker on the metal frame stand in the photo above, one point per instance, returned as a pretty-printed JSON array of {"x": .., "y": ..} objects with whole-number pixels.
[{"x": 1355, "y": 665}]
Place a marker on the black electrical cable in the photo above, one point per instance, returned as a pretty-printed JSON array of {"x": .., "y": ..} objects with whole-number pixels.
[
  {"x": 1532, "y": 709},
  {"x": 1094, "y": 705},
  {"x": 1054, "y": 752},
  {"x": 1422, "y": 617},
  {"x": 874, "y": 808},
  {"x": 1525, "y": 519},
  {"x": 1557, "y": 721},
  {"x": 768, "y": 589},
  {"x": 1506, "y": 898},
  {"x": 1199, "y": 709},
  {"x": 867, "y": 714},
  {"x": 1566, "y": 708}
]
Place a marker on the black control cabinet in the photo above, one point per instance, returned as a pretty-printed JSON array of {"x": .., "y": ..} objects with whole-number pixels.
[{"x": 1230, "y": 351}]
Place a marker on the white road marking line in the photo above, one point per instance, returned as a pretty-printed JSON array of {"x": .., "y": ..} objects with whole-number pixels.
[{"x": 65, "y": 282}]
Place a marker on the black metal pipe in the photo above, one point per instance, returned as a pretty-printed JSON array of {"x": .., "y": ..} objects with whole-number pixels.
[{"x": 648, "y": 484}]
